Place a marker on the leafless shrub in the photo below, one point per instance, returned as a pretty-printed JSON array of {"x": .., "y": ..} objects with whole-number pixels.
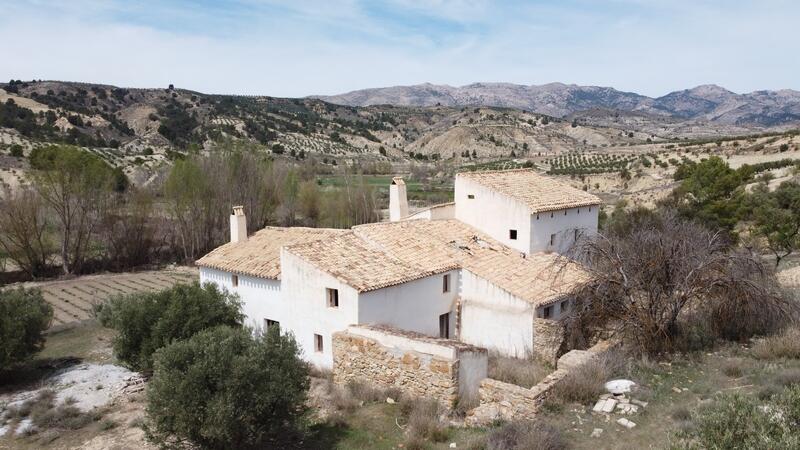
[
  {"x": 585, "y": 383},
  {"x": 788, "y": 377},
  {"x": 525, "y": 436},
  {"x": 732, "y": 367},
  {"x": 783, "y": 345},
  {"x": 645, "y": 282},
  {"x": 23, "y": 230},
  {"x": 366, "y": 392},
  {"x": 521, "y": 372},
  {"x": 424, "y": 419}
]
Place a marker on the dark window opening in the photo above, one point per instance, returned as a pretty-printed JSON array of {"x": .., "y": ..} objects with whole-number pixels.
[
  {"x": 444, "y": 326},
  {"x": 471, "y": 196},
  {"x": 547, "y": 312},
  {"x": 446, "y": 283},
  {"x": 235, "y": 280},
  {"x": 552, "y": 239},
  {"x": 318, "y": 343},
  {"x": 512, "y": 234},
  {"x": 333, "y": 297},
  {"x": 269, "y": 324}
]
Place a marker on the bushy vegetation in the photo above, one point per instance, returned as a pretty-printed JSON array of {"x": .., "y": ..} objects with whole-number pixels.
[
  {"x": 225, "y": 388},
  {"x": 524, "y": 372},
  {"x": 146, "y": 322},
  {"x": 736, "y": 421},
  {"x": 24, "y": 316}
]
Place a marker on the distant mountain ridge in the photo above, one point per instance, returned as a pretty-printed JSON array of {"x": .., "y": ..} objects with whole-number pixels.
[{"x": 708, "y": 103}]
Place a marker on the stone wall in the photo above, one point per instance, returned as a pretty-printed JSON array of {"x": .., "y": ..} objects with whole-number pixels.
[
  {"x": 548, "y": 339},
  {"x": 505, "y": 401},
  {"x": 419, "y": 365}
]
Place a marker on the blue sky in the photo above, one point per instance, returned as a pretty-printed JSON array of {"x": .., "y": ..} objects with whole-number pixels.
[{"x": 298, "y": 48}]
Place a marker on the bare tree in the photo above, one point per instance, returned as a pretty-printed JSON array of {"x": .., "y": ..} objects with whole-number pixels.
[
  {"x": 653, "y": 276},
  {"x": 23, "y": 230}
]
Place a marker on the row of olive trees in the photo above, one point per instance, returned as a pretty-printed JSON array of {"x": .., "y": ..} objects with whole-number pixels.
[{"x": 77, "y": 212}]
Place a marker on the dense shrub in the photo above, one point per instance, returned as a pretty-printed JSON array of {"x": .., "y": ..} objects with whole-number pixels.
[
  {"x": 737, "y": 421},
  {"x": 148, "y": 321},
  {"x": 24, "y": 316},
  {"x": 225, "y": 388}
]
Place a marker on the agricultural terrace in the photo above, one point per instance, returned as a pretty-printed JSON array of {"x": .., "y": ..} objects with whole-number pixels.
[{"x": 73, "y": 300}]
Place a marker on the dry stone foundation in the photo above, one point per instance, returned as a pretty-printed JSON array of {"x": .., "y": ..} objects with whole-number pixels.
[
  {"x": 548, "y": 338},
  {"x": 421, "y": 366}
]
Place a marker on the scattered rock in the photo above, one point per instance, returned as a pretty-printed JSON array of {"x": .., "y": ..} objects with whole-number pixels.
[
  {"x": 390, "y": 400},
  {"x": 597, "y": 432},
  {"x": 25, "y": 426},
  {"x": 626, "y": 423},
  {"x": 639, "y": 402},
  {"x": 676, "y": 389},
  {"x": 619, "y": 386},
  {"x": 453, "y": 445}
]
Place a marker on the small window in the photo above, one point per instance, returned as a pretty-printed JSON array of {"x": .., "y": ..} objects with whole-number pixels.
[
  {"x": 551, "y": 215},
  {"x": 512, "y": 234},
  {"x": 565, "y": 212},
  {"x": 564, "y": 306},
  {"x": 552, "y": 239},
  {"x": 235, "y": 280},
  {"x": 547, "y": 312},
  {"x": 576, "y": 235},
  {"x": 318, "y": 343},
  {"x": 537, "y": 217},
  {"x": 444, "y": 326},
  {"x": 269, "y": 324},
  {"x": 471, "y": 196},
  {"x": 333, "y": 297},
  {"x": 446, "y": 283}
]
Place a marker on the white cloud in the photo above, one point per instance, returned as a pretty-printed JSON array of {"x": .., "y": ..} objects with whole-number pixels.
[{"x": 301, "y": 48}]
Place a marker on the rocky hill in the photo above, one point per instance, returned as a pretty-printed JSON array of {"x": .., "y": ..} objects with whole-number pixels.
[
  {"x": 146, "y": 123},
  {"x": 702, "y": 104}
]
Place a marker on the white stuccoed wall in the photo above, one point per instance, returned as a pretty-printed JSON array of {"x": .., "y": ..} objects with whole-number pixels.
[
  {"x": 261, "y": 298},
  {"x": 303, "y": 290},
  {"x": 411, "y": 306},
  {"x": 562, "y": 223},
  {"x": 493, "y": 213},
  {"x": 493, "y": 318}
]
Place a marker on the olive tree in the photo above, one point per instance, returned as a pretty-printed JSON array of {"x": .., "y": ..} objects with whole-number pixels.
[
  {"x": 24, "y": 316},
  {"x": 228, "y": 388}
]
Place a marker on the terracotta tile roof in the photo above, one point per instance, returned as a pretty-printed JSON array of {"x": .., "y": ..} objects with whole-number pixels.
[
  {"x": 361, "y": 265},
  {"x": 538, "y": 192},
  {"x": 423, "y": 243},
  {"x": 260, "y": 255},
  {"x": 379, "y": 255}
]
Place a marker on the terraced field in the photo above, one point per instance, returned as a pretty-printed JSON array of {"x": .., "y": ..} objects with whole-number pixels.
[{"x": 73, "y": 300}]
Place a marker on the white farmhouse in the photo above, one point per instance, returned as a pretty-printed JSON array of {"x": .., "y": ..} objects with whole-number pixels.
[{"x": 480, "y": 270}]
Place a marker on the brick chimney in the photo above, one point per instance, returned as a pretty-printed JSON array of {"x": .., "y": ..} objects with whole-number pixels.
[
  {"x": 238, "y": 225},
  {"x": 398, "y": 202}
]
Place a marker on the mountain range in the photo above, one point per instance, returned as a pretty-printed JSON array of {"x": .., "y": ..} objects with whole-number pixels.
[{"x": 706, "y": 103}]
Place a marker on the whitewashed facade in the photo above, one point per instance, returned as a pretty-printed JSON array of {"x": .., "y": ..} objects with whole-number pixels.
[{"x": 456, "y": 303}]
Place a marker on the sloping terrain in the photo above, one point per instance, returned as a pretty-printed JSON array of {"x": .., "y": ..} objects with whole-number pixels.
[{"x": 707, "y": 103}]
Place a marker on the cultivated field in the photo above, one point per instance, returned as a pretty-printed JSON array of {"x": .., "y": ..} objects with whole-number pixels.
[{"x": 73, "y": 300}]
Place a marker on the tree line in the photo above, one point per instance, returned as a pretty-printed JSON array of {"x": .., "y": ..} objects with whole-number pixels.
[{"x": 79, "y": 213}]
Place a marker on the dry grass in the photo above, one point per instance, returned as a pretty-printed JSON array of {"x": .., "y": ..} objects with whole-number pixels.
[
  {"x": 783, "y": 345},
  {"x": 424, "y": 421},
  {"x": 521, "y": 372},
  {"x": 732, "y": 367},
  {"x": 587, "y": 382},
  {"x": 525, "y": 436}
]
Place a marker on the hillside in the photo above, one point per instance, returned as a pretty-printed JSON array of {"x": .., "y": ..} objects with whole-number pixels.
[
  {"x": 707, "y": 103},
  {"x": 151, "y": 124}
]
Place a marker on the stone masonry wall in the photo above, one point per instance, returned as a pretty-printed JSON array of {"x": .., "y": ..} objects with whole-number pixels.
[
  {"x": 504, "y": 401},
  {"x": 548, "y": 338},
  {"x": 418, "y": 365}
]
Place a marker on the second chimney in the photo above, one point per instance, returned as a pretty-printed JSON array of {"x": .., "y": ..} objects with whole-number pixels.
[
  {"x": 238, "y": 225},
  {"x": 398, "y": 202}
]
